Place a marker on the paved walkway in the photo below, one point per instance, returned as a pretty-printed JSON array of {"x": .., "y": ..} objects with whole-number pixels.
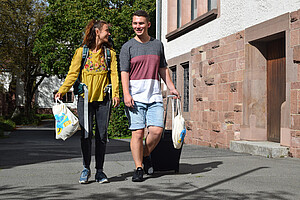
[{"x": 33, "y": 165}]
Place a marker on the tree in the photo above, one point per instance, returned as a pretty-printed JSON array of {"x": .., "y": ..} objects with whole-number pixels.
[
  {"x": 63, "y": 33},
  {"x": 65, "y": 23},
  {"x": 20, "y": 21}
]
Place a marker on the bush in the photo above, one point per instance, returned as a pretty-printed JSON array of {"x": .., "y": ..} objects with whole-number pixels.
[
  {"x": 7, "y": 125},
  {"x": 118, "y": 124},
  {"x": 45, "y": 116},
  {"x": 22, "y": 119}
]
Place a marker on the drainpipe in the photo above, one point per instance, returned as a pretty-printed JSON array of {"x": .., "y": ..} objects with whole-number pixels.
[{"x": 158, "y": 19}]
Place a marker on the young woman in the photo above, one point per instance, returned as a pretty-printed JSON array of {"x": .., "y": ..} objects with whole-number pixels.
[{"x": 94, "y": 76}]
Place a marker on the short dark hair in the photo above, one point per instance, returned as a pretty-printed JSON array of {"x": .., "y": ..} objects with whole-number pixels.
[{"x": 141, "y": 13}]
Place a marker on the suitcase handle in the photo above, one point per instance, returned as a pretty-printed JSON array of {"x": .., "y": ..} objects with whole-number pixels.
[{"x": 165, "y": 120}]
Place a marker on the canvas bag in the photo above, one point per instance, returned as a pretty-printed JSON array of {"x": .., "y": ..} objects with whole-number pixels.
[
  {"x": 178, "y": 127},
  {"x": 66, "y": 123}
]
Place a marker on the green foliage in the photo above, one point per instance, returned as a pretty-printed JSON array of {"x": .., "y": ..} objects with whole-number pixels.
[
  {"x": 7, "y": 125},
  {"x": 45, "y": 116},
  {"x": 118, "y": 125},
  {"x": 26, "y": 119},
  {"x": 64, "y": 28},
  {"x": 63, "y": 33},
  {"x": 20, "y": 21}
]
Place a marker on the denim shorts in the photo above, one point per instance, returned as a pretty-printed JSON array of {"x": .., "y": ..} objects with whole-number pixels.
[{"x": 142, "y": 114}]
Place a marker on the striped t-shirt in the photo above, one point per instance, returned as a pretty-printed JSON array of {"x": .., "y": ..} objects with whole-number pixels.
[{"x": 142, "y": 61}]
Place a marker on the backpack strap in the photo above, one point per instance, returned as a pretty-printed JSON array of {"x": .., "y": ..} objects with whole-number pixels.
[{"x": 107, "y": 56}]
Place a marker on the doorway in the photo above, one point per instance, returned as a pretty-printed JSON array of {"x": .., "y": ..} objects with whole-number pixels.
[{"x": 276, "y": 86}]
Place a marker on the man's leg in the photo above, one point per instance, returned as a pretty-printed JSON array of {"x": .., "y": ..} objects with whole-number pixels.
[
  {"x": 136, "y": 146},
  {"x": 152, "y": 139}
]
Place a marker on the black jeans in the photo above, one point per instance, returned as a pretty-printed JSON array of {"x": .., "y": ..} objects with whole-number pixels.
[{"x": 99, "y": 109}]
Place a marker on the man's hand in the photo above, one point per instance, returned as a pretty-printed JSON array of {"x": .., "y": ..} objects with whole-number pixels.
[
  {"x": 116, "y": 101},
  {"x": 128, "y": 100},
  {"x": 175, "y": 92}
]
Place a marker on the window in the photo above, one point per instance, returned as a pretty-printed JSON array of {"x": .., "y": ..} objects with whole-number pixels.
[
  {"x": 178, "y": 13},
  {"x": 174, "y": 79},
  {"x": 173, "y": 75},
  {"x": 194, "y": 9},
  {"x": 67, "y": 98},
  {"x": 186, "y": 92}
]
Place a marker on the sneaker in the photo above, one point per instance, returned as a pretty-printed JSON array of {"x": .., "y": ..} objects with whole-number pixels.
[
  {"x": 85, "y": 175},
  {"x": 100, "y": 177},
  {"x": 148, "y": 168},
  {"x": 138, "y": 175}
]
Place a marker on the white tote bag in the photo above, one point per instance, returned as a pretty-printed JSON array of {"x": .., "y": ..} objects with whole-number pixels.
[
  {"x": 178, "y": 127},
  {"x": 66, "y": 123}
]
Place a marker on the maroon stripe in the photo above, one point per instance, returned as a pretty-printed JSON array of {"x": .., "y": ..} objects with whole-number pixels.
[{"x": 144, "y": 67}]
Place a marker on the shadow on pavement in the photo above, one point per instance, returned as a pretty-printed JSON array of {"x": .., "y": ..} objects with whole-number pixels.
[
  {"x": 145, "y": 191},
  {"x": 33, "y": 146},
  {"x": 184, "y": 168}
]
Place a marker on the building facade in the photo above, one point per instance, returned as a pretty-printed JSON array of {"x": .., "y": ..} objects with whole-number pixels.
[{"x": 236, "y": 66}]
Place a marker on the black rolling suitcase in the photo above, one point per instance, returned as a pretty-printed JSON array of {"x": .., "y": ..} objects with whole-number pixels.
[{"x": 165, "y": 157}]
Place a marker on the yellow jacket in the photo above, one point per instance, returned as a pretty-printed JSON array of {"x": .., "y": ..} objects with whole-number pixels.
[{"x": 93, "y": 74}]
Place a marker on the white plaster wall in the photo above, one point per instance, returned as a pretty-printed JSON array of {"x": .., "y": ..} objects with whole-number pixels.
[
  {"x": 5, "y": 79},
  {"x": 45, "y": 91},
  {"x": 235, "y": 16}
]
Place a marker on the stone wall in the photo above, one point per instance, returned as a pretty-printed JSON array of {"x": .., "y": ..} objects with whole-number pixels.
[
  {"x": 295, "y": 86},
  {"x": 217, "y": 70}
]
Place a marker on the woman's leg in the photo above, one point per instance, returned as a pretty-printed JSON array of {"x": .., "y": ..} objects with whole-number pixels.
[
  {"x": 86, "y": 143},
  {"x": 101, "y": 114}
]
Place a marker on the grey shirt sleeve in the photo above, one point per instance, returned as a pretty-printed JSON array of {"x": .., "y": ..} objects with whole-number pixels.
[
  {"x": 125, "y": 58},
  {"x": 163, "y": 62}
]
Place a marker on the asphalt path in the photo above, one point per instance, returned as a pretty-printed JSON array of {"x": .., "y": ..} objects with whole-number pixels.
[{"x": 34, "y": 165}]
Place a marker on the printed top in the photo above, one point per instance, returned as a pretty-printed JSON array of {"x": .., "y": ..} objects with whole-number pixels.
[
  {"x": 142, "y": 61},
  {"x": 93, "y": 74}
]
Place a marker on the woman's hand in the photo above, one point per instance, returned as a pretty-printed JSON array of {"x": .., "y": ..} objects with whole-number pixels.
[
  {"x": 58, "y": 95},
  {"x": 116, "y": 101}
]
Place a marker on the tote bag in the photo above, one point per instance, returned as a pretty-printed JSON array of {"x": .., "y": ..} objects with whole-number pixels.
[
  {"x": 66, "y": 123},
  {"x": 178, "y": 127}
]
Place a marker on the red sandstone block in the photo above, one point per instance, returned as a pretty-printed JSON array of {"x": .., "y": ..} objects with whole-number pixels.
[
  {"x": 296, "y": 53},
  {"x": 221, "y": 117},
  {"x": 239, "y": 75},
  {"x": 240, "y": 35},
  {"x": 225, "y": 106},
  {"x": 206, "y": 135},
  {"x": 227, "y": 40},
  {"x": 228, "y": 66},
  {"x": 238, "y": 117},
  {"x": 240, "y": 45},
  {"x": 296, "y": 122},
  {"x": 229, "y": 48},
  {"x": 294, "y": 107},
  {"x": 224, "y": 78},
  {"x": 295, "y": 152},
  {"x": 221, "y": 138},
  {"x": 295, "y": 142},
  {"x": 295, "y": 85},
  {"x": 231, "y": 76},
  {"x": 295, "y": 133},
  {"x": 197, "y": 58},
  {"x": 240, "y": 63},
  {"x": 295, "y": 25},
  {"x": 295, "y": 38},
  {"x": 219, "y": 106}
]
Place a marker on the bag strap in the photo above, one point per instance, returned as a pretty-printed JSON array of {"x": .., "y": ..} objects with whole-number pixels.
[
  {"x": 107, "y": 56},
  {"x": 165, "y": 119}
]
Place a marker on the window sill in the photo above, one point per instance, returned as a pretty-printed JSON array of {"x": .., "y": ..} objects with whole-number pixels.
[{"x": 199, "y": 21}]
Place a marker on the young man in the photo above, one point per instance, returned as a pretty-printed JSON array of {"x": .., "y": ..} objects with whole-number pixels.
[{"x": 142, "y": 62}]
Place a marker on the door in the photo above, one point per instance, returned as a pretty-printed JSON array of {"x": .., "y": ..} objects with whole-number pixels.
[{"x": 276, "y": 84}]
